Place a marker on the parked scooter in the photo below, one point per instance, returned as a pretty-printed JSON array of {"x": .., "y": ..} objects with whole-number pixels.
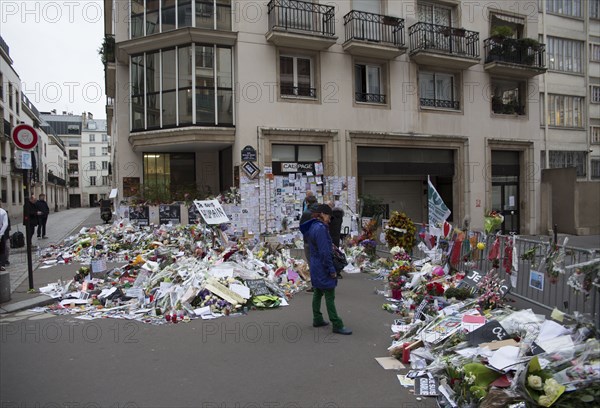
[{"x": 106, "y": 211}]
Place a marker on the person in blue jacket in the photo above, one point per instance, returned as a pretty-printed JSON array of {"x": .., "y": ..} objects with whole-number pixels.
[{"x": 322, "y": 272}]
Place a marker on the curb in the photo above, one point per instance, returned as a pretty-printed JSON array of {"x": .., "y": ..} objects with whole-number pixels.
[{"x": 37, "y": 301}]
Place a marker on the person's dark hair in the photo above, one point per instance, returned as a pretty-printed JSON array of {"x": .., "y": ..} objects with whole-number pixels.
[{"x": 311, "y": 200}]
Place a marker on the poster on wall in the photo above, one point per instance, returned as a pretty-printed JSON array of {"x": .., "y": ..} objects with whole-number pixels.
[
  {"x": 169, "y": 214},
  {"x": 131, "y": 186},
  {"x": 139, "y": 214},
  {"x": 193, "y": 214}
]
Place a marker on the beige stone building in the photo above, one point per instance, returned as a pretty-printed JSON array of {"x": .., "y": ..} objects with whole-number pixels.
[{"x": 386, "y": 91}]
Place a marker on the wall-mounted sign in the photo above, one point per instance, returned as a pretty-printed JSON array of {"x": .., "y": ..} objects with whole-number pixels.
[
  {"x": 251, "y": 169},
  {"x": 249, "y": 154},
  {"x": 281, "y": 168}
]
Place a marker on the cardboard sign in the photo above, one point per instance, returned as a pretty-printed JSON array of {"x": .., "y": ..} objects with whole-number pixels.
[
  {"x": 169, "y": 214},
  {"x": 535, "y": 349},
  {"x": 472, "y": 278},
  {"x": 98, "y": 266},
  {"x": 419, "y": 310},
  {"x": 211, "y": 211},
  {"x": 436, "y": 333},
  {"x": 426, "y": 386},
  {"x": 489, "y": 332},
  {"x": 258, "y": 287},
  {"x": 139, "y": 215}
]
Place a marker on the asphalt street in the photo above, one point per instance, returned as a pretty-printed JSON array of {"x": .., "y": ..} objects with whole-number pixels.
[{"x": 270, "y": 358}]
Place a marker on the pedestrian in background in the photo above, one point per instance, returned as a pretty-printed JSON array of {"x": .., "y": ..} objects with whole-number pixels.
[
  {"x": 4, "y": 237},
  {"x": 322, "y": 272},
  {"x": 30, "y": 217},
  {"x": 43, "y": 208},
  {"x": 305, "y": 203}
]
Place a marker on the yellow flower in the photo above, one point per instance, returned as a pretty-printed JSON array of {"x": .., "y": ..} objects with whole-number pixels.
[{"x": 481, "y": 246}]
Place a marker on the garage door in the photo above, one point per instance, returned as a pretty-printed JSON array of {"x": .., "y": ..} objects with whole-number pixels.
[{"x": 403, "y": 196}]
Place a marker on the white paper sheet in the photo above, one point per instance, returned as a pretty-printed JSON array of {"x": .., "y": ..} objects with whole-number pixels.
[{"x": 505, "y": 357}]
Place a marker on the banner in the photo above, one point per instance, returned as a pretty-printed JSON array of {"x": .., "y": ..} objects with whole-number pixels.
[{"x": 438, "y": 211}]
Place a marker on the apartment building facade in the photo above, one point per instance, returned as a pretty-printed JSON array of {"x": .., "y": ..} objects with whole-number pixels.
[
  {"x": 95, "y": 162},
  {"x": 388, "y": 92},
  {"x": 570, "y": 90},
  {"x": 49, "y": 156}
]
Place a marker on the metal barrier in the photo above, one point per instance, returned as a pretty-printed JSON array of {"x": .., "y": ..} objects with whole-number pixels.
[{"x": 550, "y": 295}]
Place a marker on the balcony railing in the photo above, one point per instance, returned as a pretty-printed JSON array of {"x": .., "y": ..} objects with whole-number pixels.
[
  {"x": 380, "y": 29},
  {"x": 439, "y": 103},
  {"x": 288, "y": 90},
  {"x": 369, "y": 97},
  {"x": 302, "y": 16},
  {"x": 56, "y": 180},
  {"x": 522, "y": 51},
  {"x": 433, "y": 37}
]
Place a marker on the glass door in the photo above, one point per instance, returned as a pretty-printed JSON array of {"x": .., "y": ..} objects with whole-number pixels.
[{"x": 505, "y": 200}]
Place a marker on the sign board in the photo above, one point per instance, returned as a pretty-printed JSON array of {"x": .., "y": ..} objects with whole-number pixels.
[
  {"x": 472, "y": 278},
  {"x": 139, "y": 215},
  {"x": 25, "y": 137},
  {"x": 258, "y": 287},
  {"x": 169, "y": 214},
  {"x": 23, "y": 160},
  {"x": 251, "y": 169},
  {"x": 211, "y": 211},
  {"x": 113, "y": 193},
  {"x": 426, "y": 386},
  {"x": 249, "y": 154},
  {"x": 491, "y": 331},
  {"x": 419, "y": 310},
  {"x": 193, "y": 214}
]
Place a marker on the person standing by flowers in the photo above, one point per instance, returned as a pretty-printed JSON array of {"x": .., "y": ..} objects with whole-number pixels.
[{"x": 322, "y": 272}]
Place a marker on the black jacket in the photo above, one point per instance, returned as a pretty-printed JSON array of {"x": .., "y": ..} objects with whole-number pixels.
[
  {"x": 31, "y": 213},
  {"x": 335, "y": 226},
  {"x": 43, "y": 207}
]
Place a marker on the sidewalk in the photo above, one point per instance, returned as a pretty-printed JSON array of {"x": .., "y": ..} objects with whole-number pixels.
[{"x": 60, "y": 225}]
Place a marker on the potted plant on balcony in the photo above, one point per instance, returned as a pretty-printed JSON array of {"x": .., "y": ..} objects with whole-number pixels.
[
  {"x": 500, "y": 43},
  {"x": 107, "y": 50},
  {"x": 528, "y": 48}
]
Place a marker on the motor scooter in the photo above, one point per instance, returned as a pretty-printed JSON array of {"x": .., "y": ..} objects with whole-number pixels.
[{"x": 106, "y": 211}]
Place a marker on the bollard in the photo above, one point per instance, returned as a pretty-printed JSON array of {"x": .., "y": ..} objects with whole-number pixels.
[{"x": 4, "y": 287}]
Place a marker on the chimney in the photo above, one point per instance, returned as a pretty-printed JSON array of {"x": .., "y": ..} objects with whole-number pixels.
[
  {"x": 64, "y": 112},
  {"x": 53, "y": 111},
  {"x": 90, "y": 116}
]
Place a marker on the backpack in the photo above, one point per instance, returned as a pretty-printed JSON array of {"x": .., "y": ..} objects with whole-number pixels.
[{"x": 17, "y": 240}]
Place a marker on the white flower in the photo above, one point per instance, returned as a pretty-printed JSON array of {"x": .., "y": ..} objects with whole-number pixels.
[
  {"x": 535, "y": 382},
  {"x": 545, "y": 401},
  {"x": 395, "y": 250},
  {"x": 551, "y": 387}
]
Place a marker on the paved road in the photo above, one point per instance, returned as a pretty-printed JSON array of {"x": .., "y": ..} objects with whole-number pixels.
[{"x": 272, "y": 358}]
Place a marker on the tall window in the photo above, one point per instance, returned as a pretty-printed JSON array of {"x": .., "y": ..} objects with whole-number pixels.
[
  {"x": 438, "y": 90},
  {"x": 104, "y": 165},
  {"x": 434, "y": 14},
  {"x": 370, "y": 6},
  {"x": 10, "y": 96},
  {"x": 137, "y": 18},
  {"x": 105, "y": 181},
  {"x": 176, "y": 103},
  {"x": 73, "y": 155},
  {"x": 595, "y": 134},
  {"x": 92, "y": 180},
  {"x": 508, "y": 97},
  {"x": 92, "y": 165},
  {"x": 566, "y": 159},
  {"x": 92, "y": 151},
  {"x": 296, "y": 153},
  {"x": 595, "y": 93},
  {"x": 565, "y": 55},
  {"x": 570, "y": 8},
  {"x": 92, "y": 138},
  {"x": 368, "y": 84},
  {"x": 564, "y": 110},
  {"x": 594, "y": 9},
  {"x": 104, "y": 138},
  {"x": 105, "y": 151},
  {"x": 1, "y": 89},
  {"x": 297, "y": 76},
  {"x": 17, "y": 102}
]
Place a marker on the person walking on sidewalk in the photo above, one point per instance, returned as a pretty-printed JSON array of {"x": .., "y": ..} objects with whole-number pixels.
[
  {"x": 42, "y": 207},
  {"x": 4, "y": 237},
  {"x": 322, "y": 272}
]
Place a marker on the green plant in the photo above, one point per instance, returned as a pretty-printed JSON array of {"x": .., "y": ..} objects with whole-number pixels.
[
  {"x": 500, "y": 32},
  {"x": 372, "y": 206},
  {"x": 107, "y": 49}
]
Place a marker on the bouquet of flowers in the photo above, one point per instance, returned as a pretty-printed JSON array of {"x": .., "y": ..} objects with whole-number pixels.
[
  {"x": 489, "y": 291},
  {"x": 400, "y": 231},
  {"x": 540, "y": 384},
  {"x": 492, "y": 221},
  {"x": 399, "y": 276}
]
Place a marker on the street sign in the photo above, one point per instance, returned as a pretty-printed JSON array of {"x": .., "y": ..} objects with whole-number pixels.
[
  {"x": 249, "y": 154},
  {"x": 25, "y": 137}
]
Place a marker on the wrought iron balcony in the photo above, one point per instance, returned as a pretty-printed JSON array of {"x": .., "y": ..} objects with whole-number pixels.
[
  {"x": 290, "y": 90},
  {"x": 523, "y": 57},
  {"x": 56, "y": 180},
  {"x": 301, "y": 24},
  {"x": 376, "y": 28},
  {"x": 438, "y": 103},
  {"x": 457, "y": 46},
  {"x": 369, "y": 97}
]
